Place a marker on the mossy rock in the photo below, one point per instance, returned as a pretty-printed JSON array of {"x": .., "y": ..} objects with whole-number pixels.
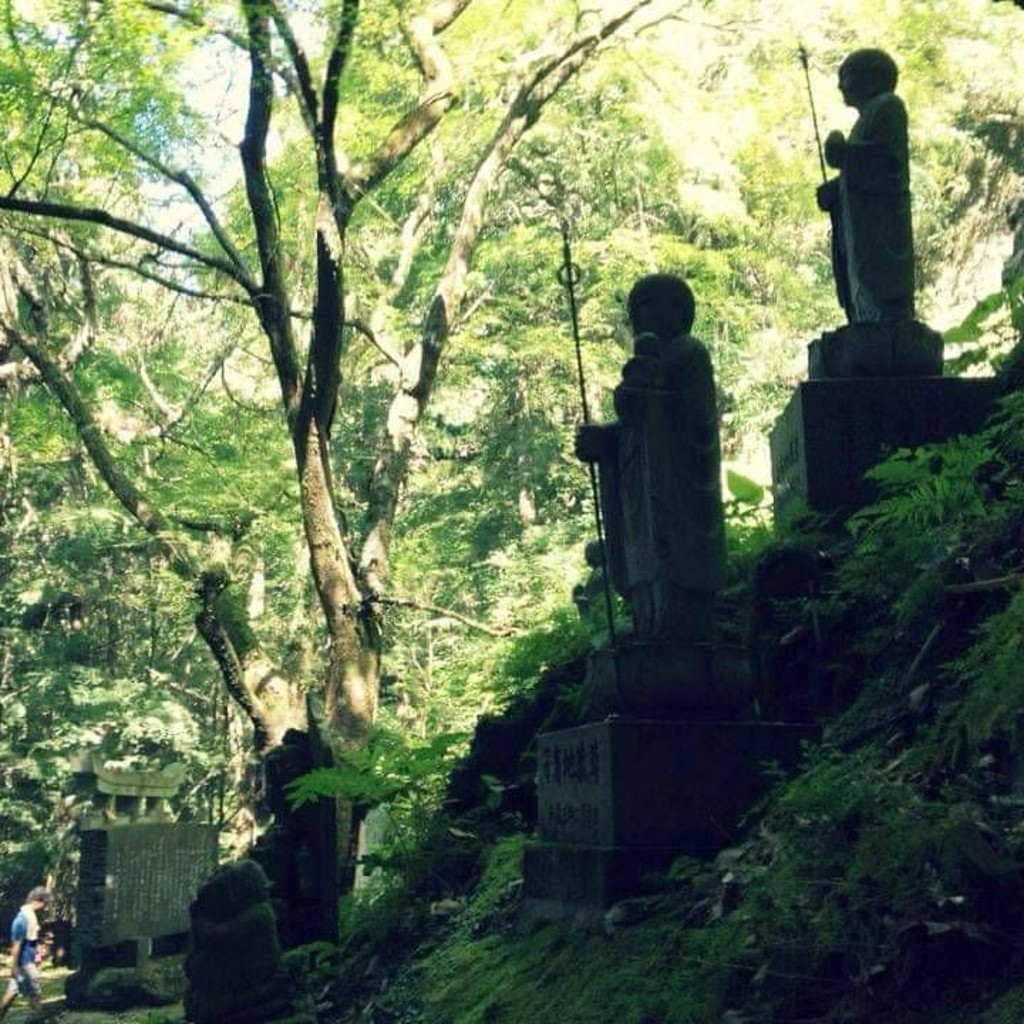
[
  {"x": 230, "y": 890},
  {"x": 121, "y": 988}
]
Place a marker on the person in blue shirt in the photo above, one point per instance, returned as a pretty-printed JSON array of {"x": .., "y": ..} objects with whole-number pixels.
[{"x": 24, "y": 938}]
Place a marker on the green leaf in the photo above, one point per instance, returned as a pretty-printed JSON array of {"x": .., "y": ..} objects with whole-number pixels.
[
  {"x": 973, "y": 326},
  {"x": 743, "y": 489}
]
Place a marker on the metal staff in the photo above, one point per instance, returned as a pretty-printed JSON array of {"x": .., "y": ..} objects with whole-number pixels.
[
  {"x": 802, "y": 53},
  {"x": 836, "y": 245},
  {"x": 569, "y": 276}
]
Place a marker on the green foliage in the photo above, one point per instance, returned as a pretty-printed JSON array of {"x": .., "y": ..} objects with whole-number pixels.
[
  {"x": 989, "y": 672},
  {"x": 748, "y": 515},
  {"x": 850, "y": 855},
  {"x": 389, "y": 768},
  {"x": 987, "y": 333},
  {"x": 932, "y": 500},
  {"x": 406, "y": 777}
]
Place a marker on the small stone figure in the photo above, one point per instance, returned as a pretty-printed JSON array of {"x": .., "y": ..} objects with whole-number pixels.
[
  {"x": 234, "y": 965},
  {"x": 660, "y": 471},
  {"x": 869, "y": 202}
]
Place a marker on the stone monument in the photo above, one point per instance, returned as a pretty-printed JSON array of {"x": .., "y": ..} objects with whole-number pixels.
[
  {"x": 138, "y": 873},
  {"x": 665, "y": 760},
  {"x": 872, "y": 237},
  {"x": 875, "y": 384}
]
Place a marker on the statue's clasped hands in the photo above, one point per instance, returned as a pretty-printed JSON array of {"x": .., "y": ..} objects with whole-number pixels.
[{"x": 835, "y": 149}]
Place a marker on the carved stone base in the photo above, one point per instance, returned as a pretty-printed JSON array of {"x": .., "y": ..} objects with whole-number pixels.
[
  {"x": 892, "y": 348},
  {"x": 665, "y": 680},
  {"x": 621, "y": 798},
  {"x": 833, "y": 431}
]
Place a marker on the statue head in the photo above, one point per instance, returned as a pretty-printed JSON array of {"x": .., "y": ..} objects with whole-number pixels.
[
  {"x": 866, "y": 74},
  {"x": 661, "y": 304}
]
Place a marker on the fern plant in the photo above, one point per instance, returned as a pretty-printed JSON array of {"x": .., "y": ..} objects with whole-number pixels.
[{"x": 935, "y": 502}]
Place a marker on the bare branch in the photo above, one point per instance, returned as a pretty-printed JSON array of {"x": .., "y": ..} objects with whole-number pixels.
[
  {"x": 448, "y": 613},
  {"x": 371, "y": 336},
  {"x": 187, "y": 182},
  {"x": 308, "y": 102},
  {"x": 94, "y": 215}
]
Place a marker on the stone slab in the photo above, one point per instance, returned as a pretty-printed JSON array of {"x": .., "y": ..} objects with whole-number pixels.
[
  {"x": 137, "y": 881},
  {"x": 655, "y": 784},
  {"x": 890, "y": 348},
  {"x": 162, "y": 784},
  {"x": 833, "y": 431},
  {"x": 665, "y": 680},
  {"x": 576, "y": 881}
]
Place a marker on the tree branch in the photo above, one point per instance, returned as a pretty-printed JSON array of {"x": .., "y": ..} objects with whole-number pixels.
[
  {"x": 448, "y": 613},
  {"x": 210, "y": 627},
  {"x": 237, "y": 39},
  {"x": 371, "y": 336},
  {"x": 436, "y": 98},
  {"x": 94, "y": 215},
  {"x": 272, "y": 305},
  {"x": 148, "y": 517},
  {"x": 555, "y": 66},
  {"x": 335, "y": 67},
  {"x": 187, "y": 182},
  {"x": 308, "y": 103}
]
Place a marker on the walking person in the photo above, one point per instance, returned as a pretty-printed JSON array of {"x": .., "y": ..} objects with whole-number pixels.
[{"x": 24, "y": 937}]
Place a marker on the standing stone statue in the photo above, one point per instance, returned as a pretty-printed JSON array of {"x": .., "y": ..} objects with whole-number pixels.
[
  {"x": 869, "y": 202},
  {"x": 872, "y": 238},
  {"x": 660, "y": 471}
]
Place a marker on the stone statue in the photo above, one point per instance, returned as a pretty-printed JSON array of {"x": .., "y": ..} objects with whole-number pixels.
[
  {"x": 660, "y": 471},
  {"x": 234, "y": 964},
  {"x": 869, "y": 201}
]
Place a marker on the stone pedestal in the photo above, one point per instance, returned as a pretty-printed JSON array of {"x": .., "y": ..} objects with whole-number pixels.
[
  {"x": 833, "y": 431},
  {"x": 891, "y": 348},
  {"x": 666, "y": 680},
  {"x": 621, "y": 798}
]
